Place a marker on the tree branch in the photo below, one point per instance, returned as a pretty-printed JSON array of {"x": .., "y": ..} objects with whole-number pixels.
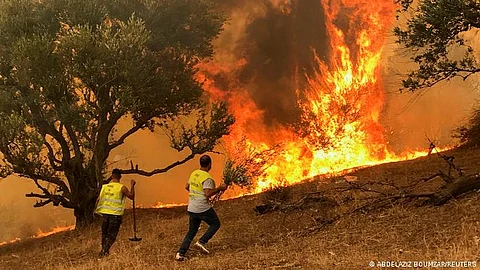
[
  {"x": 101, "y": 147},
  {"x": 51, "y": 198},
  {"x": 41, "y": 196},
  {"x": 440, "y": 174},
  {"x": 55, "y": 199},
  {"x": 58, "y": 182},
  {"x": 45, "y": 191},
  {"x": 51, "y": 157},
  {"x": 42, "y": 203},
  {"x": 127, "y": 134},
  {"x": 46, "y": 128},
  {"x": 74, "y": 140},
  {"x": 157, "y": 171},
  {"x": 86, "y": 136}
]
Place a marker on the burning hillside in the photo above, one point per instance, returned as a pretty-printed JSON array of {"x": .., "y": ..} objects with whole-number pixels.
[
  {"x": 41, "y": 234},
  {"x": 303, "y": 79},
  {"x": 313, "y": 91}
]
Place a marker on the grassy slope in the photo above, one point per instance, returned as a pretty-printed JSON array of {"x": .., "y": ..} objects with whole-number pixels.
[{"x": 281, "y": 240}]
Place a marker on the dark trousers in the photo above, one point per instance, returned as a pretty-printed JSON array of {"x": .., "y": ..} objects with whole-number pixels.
[
  {"x": 210, "y": 217},
  {"x": 110, "y": 227}
]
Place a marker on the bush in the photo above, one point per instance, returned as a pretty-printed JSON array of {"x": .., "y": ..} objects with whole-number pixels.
[{"x": 469, "y": 134}]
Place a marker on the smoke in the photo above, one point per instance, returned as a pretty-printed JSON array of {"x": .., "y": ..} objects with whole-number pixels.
[
  {"x": 277, "y": 46},
  {"x": 19, "y": 218},
  {"x": 413, "y": 118},
  {"x": 276, "y": 40},
  {"x": 434, "y": 113}
]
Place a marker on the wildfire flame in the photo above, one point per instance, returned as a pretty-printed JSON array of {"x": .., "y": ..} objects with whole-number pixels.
[
  {"x": 341, "y": 103},
  {"x": 41, "y": 234},
  {"x": 10, "y": 242},
  {"x": 55, "y": 230},
  {"x": 167, "y": 205}
]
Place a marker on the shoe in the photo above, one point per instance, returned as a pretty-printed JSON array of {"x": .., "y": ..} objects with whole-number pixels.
[
  {"x": 101, "y": 255},
  {"x": 179, "y": 257},
  {"x": 202, "y": 247}
]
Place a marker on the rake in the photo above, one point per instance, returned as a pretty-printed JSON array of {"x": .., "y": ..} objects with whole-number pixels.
[{"x": 134, "y": 238}]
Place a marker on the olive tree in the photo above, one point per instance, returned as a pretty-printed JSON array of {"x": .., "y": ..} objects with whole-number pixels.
[{"x": 70, "y": 70}]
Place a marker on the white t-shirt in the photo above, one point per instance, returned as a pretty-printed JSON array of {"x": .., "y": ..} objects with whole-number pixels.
[{"x": 200, "y": 204}]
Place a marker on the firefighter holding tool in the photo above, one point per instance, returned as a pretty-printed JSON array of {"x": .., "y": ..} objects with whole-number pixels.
[{"x": 111, "y": 205}]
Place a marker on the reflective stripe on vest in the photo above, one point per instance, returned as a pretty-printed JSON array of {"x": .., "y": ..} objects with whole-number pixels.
[
  {"x": 196, "y": 182},
  {"x": 112, "y": 200}
]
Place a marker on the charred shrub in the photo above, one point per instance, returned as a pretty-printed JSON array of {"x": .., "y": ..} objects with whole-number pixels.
[
  {"x": 278, "y": 195},
  {"x": 273, "y": 199}
]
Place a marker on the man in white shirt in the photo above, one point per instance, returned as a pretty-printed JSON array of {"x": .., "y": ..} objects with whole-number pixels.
[{"x": 201, "y": 187}]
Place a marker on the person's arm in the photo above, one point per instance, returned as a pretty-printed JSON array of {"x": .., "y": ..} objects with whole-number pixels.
[
  {"x": 209, "y": 192},
  {"x": 129, "y": 193}
]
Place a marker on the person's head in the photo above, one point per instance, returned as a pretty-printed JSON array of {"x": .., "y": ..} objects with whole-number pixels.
[
  {"x": 116, "y": 174},
  {"x": 205, "y": 162}
]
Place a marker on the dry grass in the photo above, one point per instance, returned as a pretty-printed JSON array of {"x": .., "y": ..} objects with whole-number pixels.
[{"x": 281, "y": 240}]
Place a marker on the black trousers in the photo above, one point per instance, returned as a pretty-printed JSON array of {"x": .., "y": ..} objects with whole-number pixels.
[
  {"x": 110, "y": 227},
  {"x": 210, "y": 217}
]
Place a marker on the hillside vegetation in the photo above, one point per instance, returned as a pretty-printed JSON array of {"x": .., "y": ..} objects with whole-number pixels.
[{"x": 288, "y": 239}]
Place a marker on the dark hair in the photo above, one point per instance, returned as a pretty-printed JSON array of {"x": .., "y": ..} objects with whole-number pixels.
[
  {"x": 116, "y": 173},
  {"x": 205, "y": 160}
]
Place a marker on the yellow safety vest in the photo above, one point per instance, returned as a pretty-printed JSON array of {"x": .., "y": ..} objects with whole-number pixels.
[
  {"x": 112, "y": 200},
  {"x": 196, "y": 182}
]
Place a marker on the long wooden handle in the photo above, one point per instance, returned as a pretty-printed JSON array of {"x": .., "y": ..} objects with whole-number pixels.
[{"x": 134, "y": 219}]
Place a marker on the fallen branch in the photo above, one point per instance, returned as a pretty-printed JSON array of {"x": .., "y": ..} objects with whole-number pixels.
[
  {"x": 456, "y": 188},
  {"x": 279, "y": 205}
]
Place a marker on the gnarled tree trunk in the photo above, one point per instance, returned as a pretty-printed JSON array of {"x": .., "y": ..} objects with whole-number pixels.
[
  {"x": 86, "y": 193},
  {"x": 84, "y": 215}
]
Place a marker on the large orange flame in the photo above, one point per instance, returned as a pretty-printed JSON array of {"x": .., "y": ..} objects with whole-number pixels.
[{"x": 342, "y": 102}]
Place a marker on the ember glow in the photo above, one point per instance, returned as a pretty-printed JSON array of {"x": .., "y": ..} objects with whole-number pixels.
[{"x": 341, "y": 102}]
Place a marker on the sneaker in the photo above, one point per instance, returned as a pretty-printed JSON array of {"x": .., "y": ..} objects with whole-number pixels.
[
  {"x": 102, "y": 254},
  {"x": 179, "y": 257},
  {"x": 202, "y": 247}
]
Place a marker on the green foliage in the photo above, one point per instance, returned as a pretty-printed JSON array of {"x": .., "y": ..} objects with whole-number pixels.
[
  {"x": 405, "y": 4},
  {"x": 235, "y": 174},
  {"x": 435, "y": 30},
  {"x": 71, "y": 69},
  {"x": 204, "y": 135}
]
